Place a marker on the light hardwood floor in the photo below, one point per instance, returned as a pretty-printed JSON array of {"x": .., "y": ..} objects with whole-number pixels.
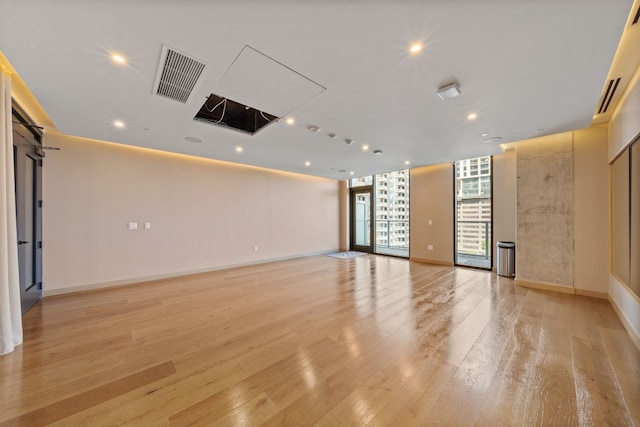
[{"x": 371, "y": 340}]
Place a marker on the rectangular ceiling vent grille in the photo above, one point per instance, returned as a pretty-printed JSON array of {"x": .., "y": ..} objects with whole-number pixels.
[
  {"x": 177, "y": 75},
  {"x": 608, "y": 95}
]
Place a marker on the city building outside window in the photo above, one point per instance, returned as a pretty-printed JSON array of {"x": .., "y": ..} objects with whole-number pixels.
[{"x": 473, "y": 212}]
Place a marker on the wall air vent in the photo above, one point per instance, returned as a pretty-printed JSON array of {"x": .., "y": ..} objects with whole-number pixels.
[
  {"x": 608, "y": 95},
  {"x": 221, "y": 111},
  {"x": 177, "y": 75}
]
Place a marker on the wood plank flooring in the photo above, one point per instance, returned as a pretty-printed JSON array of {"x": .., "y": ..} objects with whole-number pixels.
[{"x": 371, "y": 340}]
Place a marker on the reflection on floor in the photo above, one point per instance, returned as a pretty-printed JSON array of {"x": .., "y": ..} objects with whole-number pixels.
[
  {"x": 470, "y": 260},
  {"x": 370, "y": 340},
  {"x": 401, "y": 252},
  {"x": 347, "y": 254}
]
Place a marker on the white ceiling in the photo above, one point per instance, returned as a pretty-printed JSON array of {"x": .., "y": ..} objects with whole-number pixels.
[{"x": 526, "y": 67}]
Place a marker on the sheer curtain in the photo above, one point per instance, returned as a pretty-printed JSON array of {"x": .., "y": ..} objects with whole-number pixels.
[{"x": 10, "y": 312}]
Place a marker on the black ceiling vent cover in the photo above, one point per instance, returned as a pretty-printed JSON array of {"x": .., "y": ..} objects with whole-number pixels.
[
  {"x": 221, "y": 111},
  {"x": 608, "y": 95}
]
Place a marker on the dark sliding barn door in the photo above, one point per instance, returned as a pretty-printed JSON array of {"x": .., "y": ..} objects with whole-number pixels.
[{"x": 28, "y": 176}]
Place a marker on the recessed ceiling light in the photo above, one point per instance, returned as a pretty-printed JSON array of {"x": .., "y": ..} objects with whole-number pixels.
[
  {"x": 238, "y": 149},
  {"x": 118, "y": 59},
  {"x": 406, "y": 162},
  {"x": 484, "y": 134},
  {"x": 415, "y": 48},
  {"x": 472, "y": 116},
  {"x": 192, "y": 139},
  {"x": 313, "y": 128},
  {"x": 331, "y": 135},
  {"x": 307, "y": 163},
  {"x": 377, "y": 152},
  {"x": 349, "y": 141},
  {"x": 352, "y": 173},
  {"x": 365, "y": 147},
  {"x": 492, "y": 140},
  {"x": 290, "y": 121},
  {"x": 118, "y": 123}
]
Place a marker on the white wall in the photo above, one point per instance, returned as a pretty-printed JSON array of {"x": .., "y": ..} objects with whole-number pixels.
[{"x": 204, "y": 214}]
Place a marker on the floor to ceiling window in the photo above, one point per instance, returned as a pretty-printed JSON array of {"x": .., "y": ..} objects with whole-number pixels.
[
  {"x": 473, "y": 212},
  {"x": 391, "y": 210}
]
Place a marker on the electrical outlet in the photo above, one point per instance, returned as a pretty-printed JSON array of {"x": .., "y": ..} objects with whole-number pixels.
[
  {"x": 147, "y": 226},
  {"x": 133, "y": 226},
  {"x": 430, "y": 247},
  {"x": 255, "y": 249},
  {"x": 430, "y": 222}
]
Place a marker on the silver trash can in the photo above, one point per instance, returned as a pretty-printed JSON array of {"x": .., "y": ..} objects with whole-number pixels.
[{"x": 506, "y": 259}]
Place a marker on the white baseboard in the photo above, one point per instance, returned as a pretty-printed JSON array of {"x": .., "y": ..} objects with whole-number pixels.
[{"x": 619, "y": 295}]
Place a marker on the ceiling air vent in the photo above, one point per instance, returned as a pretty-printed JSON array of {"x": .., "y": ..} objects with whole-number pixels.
[
  {"x": 177, "y": 75},
  {"x": 608, "y": 95}
]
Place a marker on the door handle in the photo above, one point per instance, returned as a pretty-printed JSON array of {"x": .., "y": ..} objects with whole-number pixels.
[{"x": 22, "y": 242}]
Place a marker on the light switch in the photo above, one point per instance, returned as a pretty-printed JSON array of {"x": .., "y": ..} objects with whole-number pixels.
[
  {"x": 133, "y": 226},
  {"x": 429, "y": 247},
  {"x": 430, "y": 222},
  {"x": 147, "y": 226}
]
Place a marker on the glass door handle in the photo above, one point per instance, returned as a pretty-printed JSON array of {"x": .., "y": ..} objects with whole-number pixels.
[{"x": 22, "y": 242}]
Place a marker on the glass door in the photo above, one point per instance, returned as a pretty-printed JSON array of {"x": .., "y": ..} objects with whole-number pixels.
[
  {"x": 473, "y": 212},
  {"x": 361, "y": 215},
  {"x": 380, "y": 213}
]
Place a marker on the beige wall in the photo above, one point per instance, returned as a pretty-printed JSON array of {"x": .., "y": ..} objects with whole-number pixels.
[
  {"x": 624, "y": 127},
  {"x": 587, "y": 227},
  {"x": 204, "y": 214},
  {"x": 563, "y": 214},
  {"x": 591, "y": 209},
  {"x": 432, "y": 199},
  {"x": 620, "y": 217},
  {"x": 343, "y": 206},
  {"x": 504, "y": 199}
]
